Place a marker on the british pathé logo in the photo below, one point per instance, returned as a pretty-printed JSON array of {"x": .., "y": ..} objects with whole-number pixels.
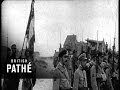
[{"x": 19, "y": 66}]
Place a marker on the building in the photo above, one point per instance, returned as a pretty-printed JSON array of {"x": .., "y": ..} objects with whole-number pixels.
[
  {"x": 70, "y": 42},
  {"x": 98, "y": 45},
  {"x": 81, "y": 47}
]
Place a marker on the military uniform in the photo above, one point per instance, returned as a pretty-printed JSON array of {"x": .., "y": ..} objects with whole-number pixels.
[
  {"x": 80, "y": 80},
  {"x": 93, "y": 78},
  {"x": 70, "y": 70},
  {"x": 61, "y": 78},
  {"x": 91, "y": 75},
  {"x": 108, "y": 81},
  {"x": 101, "y": 77}
]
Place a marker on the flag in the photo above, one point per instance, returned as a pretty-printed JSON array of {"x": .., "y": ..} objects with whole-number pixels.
[{"x": 30, "y": 32}]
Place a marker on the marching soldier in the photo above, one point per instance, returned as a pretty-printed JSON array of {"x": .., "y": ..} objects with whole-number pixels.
[
  {"x": 80, "y": 79},
  {"x": 61, "y": 77}
]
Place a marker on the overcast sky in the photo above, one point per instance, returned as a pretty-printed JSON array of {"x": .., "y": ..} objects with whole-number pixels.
[{"x": 80, "y": 17}]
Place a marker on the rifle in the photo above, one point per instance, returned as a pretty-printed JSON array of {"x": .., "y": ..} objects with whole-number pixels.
[{"x": 113, "y": 54}]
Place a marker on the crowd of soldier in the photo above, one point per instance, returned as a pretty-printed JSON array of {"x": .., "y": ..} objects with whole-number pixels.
[{"x": 93, "y": 71}]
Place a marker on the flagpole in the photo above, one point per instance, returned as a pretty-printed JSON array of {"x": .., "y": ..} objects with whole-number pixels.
[
  {"x": 23, "y": 46},
  {"x": 7, "y": 38}
]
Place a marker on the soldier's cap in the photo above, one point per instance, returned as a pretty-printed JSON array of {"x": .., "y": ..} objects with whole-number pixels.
[
  {"x": 82, "y": 57},
  {"x": 62, "y": 53}
]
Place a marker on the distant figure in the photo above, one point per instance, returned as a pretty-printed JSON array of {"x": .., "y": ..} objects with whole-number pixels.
[
  {"x": 14, "y": 51},
  {"x": 11, "y": 81}
]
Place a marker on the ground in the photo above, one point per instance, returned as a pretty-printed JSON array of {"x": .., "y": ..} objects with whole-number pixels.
[{"x": 43, "y": 84}]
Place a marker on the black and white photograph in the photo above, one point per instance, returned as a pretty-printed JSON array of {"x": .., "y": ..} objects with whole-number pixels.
[{"x": 59, "y": 45}]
